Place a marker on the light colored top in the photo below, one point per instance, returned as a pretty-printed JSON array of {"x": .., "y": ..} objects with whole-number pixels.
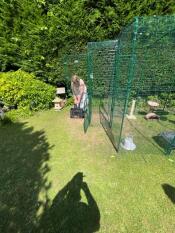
[{"x": 79, "y": 90}]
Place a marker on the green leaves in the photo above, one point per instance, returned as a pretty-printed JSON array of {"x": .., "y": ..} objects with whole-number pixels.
[
  {"x": 39, "y": 32},
  {"x": 24, "y": 90}
]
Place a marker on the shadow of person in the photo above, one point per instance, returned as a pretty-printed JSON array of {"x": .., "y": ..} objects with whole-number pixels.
[
  {"x": 24, "y": 157},
  {"x": 169, "y": 191},
  {"x": 68, "y": 214}
]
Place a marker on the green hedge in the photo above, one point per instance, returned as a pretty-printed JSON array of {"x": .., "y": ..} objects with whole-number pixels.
[{"x": 25, "y": 90}]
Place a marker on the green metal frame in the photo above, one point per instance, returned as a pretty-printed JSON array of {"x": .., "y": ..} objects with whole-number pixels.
[
  {"x": 88, "y": 108},
  {"x": 140, "y": 63},
  {"x": 170, "y": 147},
  {"x": 131, "y": 71}
]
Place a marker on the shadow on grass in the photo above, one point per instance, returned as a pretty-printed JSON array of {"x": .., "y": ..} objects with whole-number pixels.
[
  {"x": 166, "y": 124},
  {"x": 68, "y": 213},
  {"x": 158, "y": 112},
  {"x": 23, "y": 166},
  {"x": 143, "y": 135},
  {"x": 142, "y": 113},
  {"x": 161, "y": 112},
  {"x": 163, "y": 118},
  {"x": 169, "y": 191},
  {"x": 171, "y": 121},
  {"x": 160, "y": 141}
]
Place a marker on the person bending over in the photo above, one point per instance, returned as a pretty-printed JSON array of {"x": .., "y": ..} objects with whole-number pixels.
[{"x": 79, "y": 91}]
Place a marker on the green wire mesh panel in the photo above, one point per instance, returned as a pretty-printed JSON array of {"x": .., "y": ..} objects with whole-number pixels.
[
  {"x": 102, "y": 58},
  {"x": 155, "y": 52},
  {"x": 151, "y": 72},
  {"x": 124, "y": 72},
  {"x": 139, "y": 64},
  {"x": 78, "y": 64}
]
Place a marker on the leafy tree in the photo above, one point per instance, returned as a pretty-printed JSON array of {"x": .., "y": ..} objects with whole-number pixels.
[{"x": 36, "y": 34}]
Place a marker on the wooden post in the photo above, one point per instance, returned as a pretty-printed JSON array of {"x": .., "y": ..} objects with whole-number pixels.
[{"x": 131, "y": 114}]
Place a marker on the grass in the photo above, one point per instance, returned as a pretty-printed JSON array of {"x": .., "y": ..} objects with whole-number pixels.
[
  {"x": 42, "y": 161},
  {"x": 146, "y": 132}
]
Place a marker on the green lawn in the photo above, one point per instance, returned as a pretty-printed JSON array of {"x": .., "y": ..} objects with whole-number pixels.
[{"x": 40, "y": 182}]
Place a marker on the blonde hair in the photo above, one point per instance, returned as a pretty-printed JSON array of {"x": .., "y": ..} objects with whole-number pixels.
[{"x": 75, "y": 80}]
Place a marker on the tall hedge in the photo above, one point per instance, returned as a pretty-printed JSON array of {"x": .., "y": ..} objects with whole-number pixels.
[
  {"x": 25, "y": 90},
  {"x": 36, "y": 34}
]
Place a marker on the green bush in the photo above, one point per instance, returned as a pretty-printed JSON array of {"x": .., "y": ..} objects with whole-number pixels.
[
  {"x": 13, "y": 115},
  {"x": 166, "y": 100},
  {"x": 25, "y": 90},
  {"x": 70, "y": 101}
]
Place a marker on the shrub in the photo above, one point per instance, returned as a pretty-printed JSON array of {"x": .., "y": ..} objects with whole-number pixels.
[
  {"x": 164, "y": 99},
  {"x": 25, "y": 90},
  {"x": 70, "y": 101}
]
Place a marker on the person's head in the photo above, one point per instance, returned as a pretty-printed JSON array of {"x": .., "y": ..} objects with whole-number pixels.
[
  {"x": 75, "y": 186},
  {"x": 75, "y": 80}
]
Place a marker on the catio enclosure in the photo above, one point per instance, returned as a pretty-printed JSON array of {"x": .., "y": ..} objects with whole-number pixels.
[{"x": 139, "y": 65}]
